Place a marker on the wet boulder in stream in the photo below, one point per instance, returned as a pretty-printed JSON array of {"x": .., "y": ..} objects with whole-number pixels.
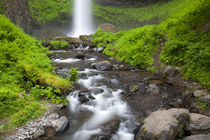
[
  {"x": 163, "y": 124},
  {"x": 103, "y": 65},
  {"x": 80, "y": 55}
]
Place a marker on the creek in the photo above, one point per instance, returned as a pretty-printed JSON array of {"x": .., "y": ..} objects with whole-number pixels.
[{"x": 103, "y": 104}]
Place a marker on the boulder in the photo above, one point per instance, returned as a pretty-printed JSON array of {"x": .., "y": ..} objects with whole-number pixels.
[
  {"x": 103, "y": 65},
  {"x": 205, "y": 99},
  {"x": 107, "y": 27},
  {"x": 80, "y": 55},
  {"x": 153, "y": 89},
  {"x": 199, "y": 93},
  {"x": 133, "y": 88},
  {"x": 60, "y": 124},
  {"x": 99, "y": 49},
  {"x": 70, "y": 40},
  {"x": 199, "y": 124},
  {"x": 198, "y": 137},
  {"x": 171, "y": 71},
  {"x": 163, "y": 124},
  {"x": 85, "y": 38},
  {"x": 38, "y": 134}
]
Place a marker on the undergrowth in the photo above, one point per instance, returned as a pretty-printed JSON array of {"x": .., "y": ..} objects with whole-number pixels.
[
  {"x": 186, "y": 46},
  {"x": 26, "y": 77}
]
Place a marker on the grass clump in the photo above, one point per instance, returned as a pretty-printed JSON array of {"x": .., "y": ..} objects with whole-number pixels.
[
  {"x": 58, "y": 44},
  {"x": 26, "y": 76}
]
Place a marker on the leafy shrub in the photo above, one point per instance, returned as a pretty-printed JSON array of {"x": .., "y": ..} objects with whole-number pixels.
[{"x": 73, "y": 72}]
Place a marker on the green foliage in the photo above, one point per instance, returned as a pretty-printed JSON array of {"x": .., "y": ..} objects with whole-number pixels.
[
  {"x": 134, "y": 46},
  {"x": 25, "y": 68},
  {"x": 58, "y": 44},
  {"x": 126, "y": 18},
  {"x": 185, "y": 45},
  {"x": 73, "y": 72},
  {"x": 50, "y": 10},
  {"x": 31, "y": 111}
]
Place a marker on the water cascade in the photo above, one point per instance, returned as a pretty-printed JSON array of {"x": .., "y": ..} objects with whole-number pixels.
[{"x": 82, "y": 18}]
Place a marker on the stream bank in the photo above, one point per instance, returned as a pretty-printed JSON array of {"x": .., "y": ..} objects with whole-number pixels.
[{"x": 113, "y": 100}]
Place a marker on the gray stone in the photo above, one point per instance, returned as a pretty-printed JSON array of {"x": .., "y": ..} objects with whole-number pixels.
[
  {"x": 107, "y": 27},
  {"x": 60, "y": 124},
  {"x": 171, "y": 71},
  {"x": 103, "y": 65},
  {"x": 199, "y": 124},
  {"x": 80, "y": 55},
  {"x": 205, "y": 99},
  {"x": 198, "y": 137},
  {"x": 153, "y": 89},
  {"x": 38, "y": 134},
  {"x": 199, "y": 93},
  {"x": 133, "y": 88},
  {"x": 163, "y": 124}
]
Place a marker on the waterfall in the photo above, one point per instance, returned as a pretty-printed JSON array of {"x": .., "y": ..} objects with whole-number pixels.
[{"x": 82, "y": 18}]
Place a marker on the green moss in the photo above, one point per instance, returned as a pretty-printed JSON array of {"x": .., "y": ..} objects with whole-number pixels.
[
  {"x": 58, "y": 44},
  {"x": 50, "y": 10}
]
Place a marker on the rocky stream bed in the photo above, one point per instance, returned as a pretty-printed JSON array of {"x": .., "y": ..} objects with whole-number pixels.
[{"x": 114, "y": 101}]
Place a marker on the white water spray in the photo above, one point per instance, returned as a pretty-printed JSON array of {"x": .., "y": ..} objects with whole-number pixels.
[{"x": 82, "y": 19}]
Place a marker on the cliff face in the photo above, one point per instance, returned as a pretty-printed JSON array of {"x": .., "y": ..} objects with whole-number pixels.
[
  {"x": 125, "y": 3},
  {"x": 18, "y": 12}
]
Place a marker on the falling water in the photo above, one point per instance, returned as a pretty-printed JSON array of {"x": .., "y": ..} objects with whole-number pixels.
[{"x": 82, "y": 19}]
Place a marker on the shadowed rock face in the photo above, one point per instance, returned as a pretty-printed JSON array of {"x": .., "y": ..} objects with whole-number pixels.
[
  {"x": 125, "y": 3},
  {"x": 18, "y": 12}
]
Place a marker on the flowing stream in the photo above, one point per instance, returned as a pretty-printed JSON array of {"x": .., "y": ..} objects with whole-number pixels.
[
  {"x": 103, "y": 104},
  {"x": 96, "y": 108}
]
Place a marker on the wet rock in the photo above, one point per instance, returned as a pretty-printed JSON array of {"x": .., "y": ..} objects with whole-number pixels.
[
  {"x": 198, "y": 137},
  {"x": 199, "y": 124},
  {"x": 107, "y": 27},
  {"x": 133, "y": 88},
  {"x": 103, "y": 65},
  {"x": 163, "y": 124},
  {"x": 112, "y": 127},
  {"x": 60, "y": 124},
  {"x": 153, "y": 89},
  {"x": 99, "y": 49},
  {"x": 199, "y": 93},
  {"x": 80, "y": 55},
  {"x": 205, "y": 99},
  {"x": 164, "y": 95},
  {"x": 85, "y": 38},
  {"x": 91, "y": 97},
  {"x": 49, "y": 132},
  {"x": 38, "y": 134},
  {"x": 45, "y": 44},
  {"x": 71, "y": 40},
  {"x": 97, "y": 90},
  {"x": 84, "y": 93},
  {"x": 102, "y": 136},
  {"x": 187, "y": 94},
  {"x": 83, "y": 99},
  {"x": 171, "y": 71}
]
